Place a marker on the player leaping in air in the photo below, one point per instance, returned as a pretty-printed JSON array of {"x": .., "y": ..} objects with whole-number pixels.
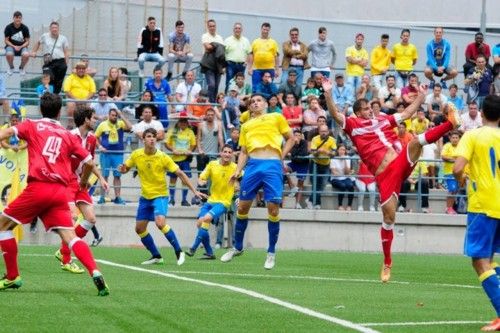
[{"x": 377, "y": 145}]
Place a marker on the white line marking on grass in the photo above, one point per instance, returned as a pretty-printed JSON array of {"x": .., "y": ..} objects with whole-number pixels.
[
  {"x": 250, "y": 293},
  {"x": 426, "y": 323}
]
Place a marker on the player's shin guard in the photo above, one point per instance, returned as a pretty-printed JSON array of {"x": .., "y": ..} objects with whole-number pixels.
[
  {"x": 65, "y": 253},
  {"x": 386, "y": 235},
  {"x": 170, "y": 236},
  {"x": 82, "y": 228},
  {"x": 435, "y": 133},
  {"x": 239, "y": 230},
  {"x": 273, "y": 227},
  {"x": 491, "y": 285},
  {"x": 149, "y": 244},
  {"x": 205, "y": 238},
  {"x": 8, "y": 245},
  {"x": 82, "y": 252}
]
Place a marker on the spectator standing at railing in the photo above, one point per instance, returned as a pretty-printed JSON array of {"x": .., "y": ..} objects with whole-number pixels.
[
  {"x": 150, "y": 45},
  {"x": 323, "y": 149},
  {"x": 179, "y": 49},
  {"x": 323, "y": 54},
  {"x": 365, "y": 183},
  {"x": 78, "y": 86},
  {"x": 294, "y": 57},
  {"x": 161, "y": 93},
  {"x": 474, "y": 50},
  {"x": 389, "y": 95},
  {"x": 110, "y": 138},
  {"x": 187, "y": 91},
  {"x": 103, "y": 105},
  {"x": 404, "y": 56},
  {"x": 55, "y": 49},
  {"x": 213, "y": 61},
  {"x": 449, "y": 154},
  {"x": 438, "y": 59},
  {"x": 455, "y": 98},
  {"x": 17, "y": 39},
  {"x": 237, "y": 49},
  {"x": 264, "y": 57},
  {"x": 357, "y": 59},
  {"x": 380, "y": 61}
]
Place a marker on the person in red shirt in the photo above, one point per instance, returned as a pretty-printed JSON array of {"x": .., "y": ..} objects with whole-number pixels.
[
  {"x": 375, "y": 140},
  {"x": 475, "y": 49},
  {"x": 292, "y": 112},
  {"x": 50, "y": 150}
]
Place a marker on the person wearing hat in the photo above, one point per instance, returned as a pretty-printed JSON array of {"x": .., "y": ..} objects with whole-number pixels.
[
  {"x": 343, "y": 95},
  {"x": 199, "y": 110},
  {"x": 357, "y": 59},
  {"x": 290, "y": 86},
  {"x": 78, "y": 86}
]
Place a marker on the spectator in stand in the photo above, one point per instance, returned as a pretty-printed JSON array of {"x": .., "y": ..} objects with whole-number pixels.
[
  {"x": 110, "y": 141},
  {"x": 186, "y": 91},
  {"x": 102, "y": 105},
  {"x": 147, "y": 96},
  {"x": 376, "y": 109},
  {"x": 449, "y": 154},
  {"x": 289, "y": 86},
  {"x": 273, "y": 105},
  {"x": 343, "y": 95},
  {"x": 323, "y": 54},
  {"x": 438, "y": 59},
  {"x": 420, "y": 124},
  {"x": 436, "y": 102},
  {"x": 79, "y": 86},
  {"x": 299, "y": 164},
  {"x": 311, "y": 118},
  {"x": 454, "y": 98},
  {"x": 150, "y": 45},
  {"x": 55, "y": 48},
  {"x": 310, "y": 90},
  {"x": 264, "y": 57},
  {"x": 179, "y": 49},
  {"x": 148, "y": 122},
  {"x": 90, "y": 70},
  {"x": 322, "y": 148},
  {"x": 237, "y": 48},
  {"x": 366, "y": 90},
  {"x": 429, "y": 155},
  {"x": 45, "y": 86},
  {"x": 231, "y": 111},
  {"x": 471, "y": 119},
  {"x": 318, "y": 79},
  {"x": 403, "y": 135},
  {"x": 198, "y": 111},
  {"x": 478, "y": 82},
  {"x": 181, "y": 142},
  {"x": 161, "y": 93},
  {"x": 496, "y": 60},
  {"x": 380, "y": 61},
  {"x": 113, "y": 86},
  {"x": 213, "y": 61},
  {"x": 17, "y": 39},
  {"x": 416, "y": 182},
  {"x": 292, "y": 112},
  {"x": 244, "y": 89},
  {"x": 389, "y": 95},
  {"x": 3, "y": 101},
  {"x": 266, "y": 87},
  {"x": 474, "y": 50},
  {"x": 13, "y": 142},
  {"x": 410, "y": 92},
  {"x": 357, "y": 59},
  {"x": 404, "y": 56},
  {"x": 340, "y": 179},
  {"x": 294, "y": 58},
  {"x": 365, "y": 183}
]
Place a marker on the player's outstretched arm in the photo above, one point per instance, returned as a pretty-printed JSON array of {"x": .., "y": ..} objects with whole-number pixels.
[
  {"x": 411, "y": 109},
  {"x": 104, "y": 183},
  {"x": 185, "y": 180},
  {"x": 334, "y": 112}
]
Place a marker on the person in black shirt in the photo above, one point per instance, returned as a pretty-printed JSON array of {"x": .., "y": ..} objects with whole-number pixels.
[
  {"x": 300, "y": 165},
  {"x": 17, "y": 39}
]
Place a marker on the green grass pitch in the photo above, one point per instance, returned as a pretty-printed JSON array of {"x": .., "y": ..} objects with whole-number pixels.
[{"x": 427, "y": 294}]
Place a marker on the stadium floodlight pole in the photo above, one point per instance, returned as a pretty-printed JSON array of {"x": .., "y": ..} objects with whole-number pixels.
[{"x": 482, "y": 27}]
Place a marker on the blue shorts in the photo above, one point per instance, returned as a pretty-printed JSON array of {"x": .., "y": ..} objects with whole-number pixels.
[
  {"x": 482, "y": 236},
  {"x": 300, "y": 169},
  {"x": 184, "y": 166},
  {"x": 148, "y": 209},
  {"x": 215, "y": 209},
  {"x": 10, "y": 50},
  {"x": 111, "y": 162},
  {"x": 267, "y": 174},
  {"x": 451, "y": 183}
]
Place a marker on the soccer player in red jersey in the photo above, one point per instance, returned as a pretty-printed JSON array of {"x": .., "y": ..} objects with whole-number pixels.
[
  {"x": 50, "y": 149},
  {"x": 79, "y": 198},
  {"x": 376, "y": 142}
]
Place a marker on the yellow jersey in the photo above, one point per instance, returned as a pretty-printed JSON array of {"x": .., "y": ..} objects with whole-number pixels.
[
  {"x": 221, "y": 190},
  {"x": 420, "y": 168},
  {"x": 481, "y": 147},
  {"x": 181, "y": 140},
  {"x": 265, "y": 130},
  {"x": 419, "y": 127},
  {"x": 330, "y": 144},
  {"x": 449, "y": 151},
  {"x": 152, "y": 171},
  {"x": 380, "y": 60},
  {"x": 403, "y": 56},
  {"x": 264, "y": 53},
  {"x": 355, "y": 69},
  {"x": 244, "y": 117}
]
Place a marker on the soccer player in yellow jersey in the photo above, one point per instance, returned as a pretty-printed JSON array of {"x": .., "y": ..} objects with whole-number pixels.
[
  {"x": 261, "y": 155},
  {"x": 479, "y": 149},
  {"x": 151, "y": 165},
  {"x": 222, "y": 189}
]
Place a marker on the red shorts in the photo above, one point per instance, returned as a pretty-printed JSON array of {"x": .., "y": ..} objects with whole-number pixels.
[
  {"x": 390, "y": 180},
  {"x": 48, "y": 201},
  {"x": 76, "y": 194}
]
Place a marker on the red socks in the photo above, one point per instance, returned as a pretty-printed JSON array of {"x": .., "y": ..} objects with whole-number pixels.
[
  {"x": 66, "y": 253},
  {"x": 9, "y": 249},
  {"x": 82, "y": 252},
  {"x": 435, "y": 133},
  {"x": 80, "y": 231},
  {"x": 386, "y": 236}
]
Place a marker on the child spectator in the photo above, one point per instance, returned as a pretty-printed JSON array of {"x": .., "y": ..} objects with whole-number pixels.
[
  {"x": 231, "y": 112},
  {"x": 449, "y": 154},
  {"x": 45, "y": 86},
  {"x": 310, "y": 90}
]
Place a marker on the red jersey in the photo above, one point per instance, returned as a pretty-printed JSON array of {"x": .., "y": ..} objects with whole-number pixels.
[
  {"x": 373, "y": 137},
  {"x": 364, "y": 174},
  {"x": 50, "y": 147},
  {"x": 89, "y": 143}
]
